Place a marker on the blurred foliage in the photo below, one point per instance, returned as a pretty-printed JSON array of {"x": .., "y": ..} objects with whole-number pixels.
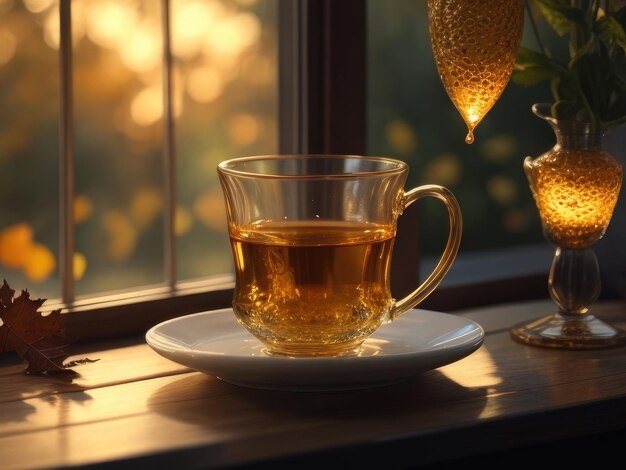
[
  {"x": 411, "y": 118},
  {"x": 225, "y": 105}
]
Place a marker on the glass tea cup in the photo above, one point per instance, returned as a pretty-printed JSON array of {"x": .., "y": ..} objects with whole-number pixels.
[{"x": 312, "y": 238}]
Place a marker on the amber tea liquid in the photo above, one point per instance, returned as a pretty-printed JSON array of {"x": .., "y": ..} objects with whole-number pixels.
[{"x": 302, "y": 284}]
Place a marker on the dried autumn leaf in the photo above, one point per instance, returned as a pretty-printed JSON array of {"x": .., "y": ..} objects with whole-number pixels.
[{"x": 37, "y": 338}]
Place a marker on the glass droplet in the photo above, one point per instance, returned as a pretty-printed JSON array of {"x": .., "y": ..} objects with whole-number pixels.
[{"x": 475, "y": 44}]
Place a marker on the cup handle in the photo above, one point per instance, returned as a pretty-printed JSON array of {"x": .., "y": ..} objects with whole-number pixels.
[{"x": 449, "y": 252}]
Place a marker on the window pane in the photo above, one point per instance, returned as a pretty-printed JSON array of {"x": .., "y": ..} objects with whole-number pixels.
[
  {"x": 225, "y": 105},
  {"x": 29, "y": 146},
  {"x": 226, "y": 102},
  {"x": 411, "y": 117},
  {"x": 118, "y": 108}
]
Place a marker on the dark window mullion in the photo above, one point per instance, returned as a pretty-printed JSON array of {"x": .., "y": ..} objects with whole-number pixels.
[
  {"x": 323, "y": 98},
  {"x": 322, "y": 76},
  {"x": 292, "y": 80},
  {"x": 66, "y": 155},
  {"x": 169, "y": 153}
]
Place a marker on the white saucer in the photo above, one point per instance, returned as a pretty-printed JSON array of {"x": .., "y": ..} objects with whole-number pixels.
[{"x": 213, "y": 342}]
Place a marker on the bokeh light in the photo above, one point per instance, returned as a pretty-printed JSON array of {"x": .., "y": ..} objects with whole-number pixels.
[
  {"x": 224, "y": 79},
  {"x": 8, "y": 45}
]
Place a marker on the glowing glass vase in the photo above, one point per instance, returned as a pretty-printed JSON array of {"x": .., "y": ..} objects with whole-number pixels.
[
  {"x": 575, "y": 185},
  {"x": 475, "y": 44}
]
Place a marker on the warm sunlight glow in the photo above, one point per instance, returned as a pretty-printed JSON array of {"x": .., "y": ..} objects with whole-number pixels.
[
  {"x": 190, "y": 24},
  {"x": 147, "y": 106},
  {"x": 183, "y": 220},
  {"x": 478, "y": 370},
  {"x": 18, "y": 250},
  {"x": 83, "y": 209},
  {"x": 15, "y": 241},
  {"x": 249, "y": 28},
  {"x": 51, "y": 31},
  {"x": 6, "y": 5},
  {"x": 205, "y": 84},
  {"x": 472, "y": 116},
  {"x": 210, "y": 210},
  {"x": 142, "y": 52},
  {"x": 475, "y": 45},
  {"x": 223, "y": 83},
  {"x": 80, "y": 265},
  {"x": 258, "y": 70},
  {"x": 8, "y": 46},
  {"x": 39, "y": 263},
  {"x": 120, "y": 233},
  {"x": 231, "y": 36},
  {"x": 243, "y": 129},
  {"x": 145, "y": 206},
  {"x": 37, "y": 6},
  {"x": 110, "y": 24},
  {"x": 575, "y": 195}
]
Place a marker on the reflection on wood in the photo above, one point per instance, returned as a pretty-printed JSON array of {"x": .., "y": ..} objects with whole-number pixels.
[{"x": 134, "y": 404}]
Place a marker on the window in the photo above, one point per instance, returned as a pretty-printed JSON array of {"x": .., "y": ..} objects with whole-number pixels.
[
  {"x": 143, "y": 212},
  {"x": 223, "y": 103}
]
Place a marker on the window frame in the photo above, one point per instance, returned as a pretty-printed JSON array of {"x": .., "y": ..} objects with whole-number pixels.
[{"x": 322, "y": 109}]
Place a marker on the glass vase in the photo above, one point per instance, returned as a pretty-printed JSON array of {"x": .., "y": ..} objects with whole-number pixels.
[{"x": 575, "y": 185}]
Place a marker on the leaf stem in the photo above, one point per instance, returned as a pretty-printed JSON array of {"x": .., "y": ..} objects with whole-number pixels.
[
  {"x": 533, "y": 23},
  {"x": 595, "y": 7},
  {"x": 595, "y": 120}
]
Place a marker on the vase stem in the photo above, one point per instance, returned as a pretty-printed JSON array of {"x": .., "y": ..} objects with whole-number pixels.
[
  {"x": 574, "y": 281},
  {"x": 574, "y": 284}
]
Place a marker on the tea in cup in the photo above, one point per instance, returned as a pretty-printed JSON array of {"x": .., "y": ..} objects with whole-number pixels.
[{"x": 312, "y": 238}]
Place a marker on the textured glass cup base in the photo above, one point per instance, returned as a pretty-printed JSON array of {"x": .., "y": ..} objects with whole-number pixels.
[
  {"x": 305, "y": 350},
  {"x": 569, "y": 332}
]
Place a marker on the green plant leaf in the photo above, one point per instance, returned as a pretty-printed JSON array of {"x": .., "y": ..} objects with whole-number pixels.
[
  {"x": 531, "y": 75},
  {"x": 560, "y": 15},
  {"x": 610, "y": 32},
  {"x": 594, "y": 75},
  {"x": 527, "y": 58},
  {"x": 589, "y": 83},
  {"x": 564, "y": 89}
]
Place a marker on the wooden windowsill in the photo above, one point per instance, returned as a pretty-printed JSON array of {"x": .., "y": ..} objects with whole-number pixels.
[{"x": 135, "y": 407}]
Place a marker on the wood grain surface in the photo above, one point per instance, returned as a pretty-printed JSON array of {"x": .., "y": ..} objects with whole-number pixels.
[{"x": 133, "y": 406}]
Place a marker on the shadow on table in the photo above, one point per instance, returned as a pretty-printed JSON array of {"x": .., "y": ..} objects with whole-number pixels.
[
  {"x": 221, "y": 403},
  {"x": 272, "y": 423}
]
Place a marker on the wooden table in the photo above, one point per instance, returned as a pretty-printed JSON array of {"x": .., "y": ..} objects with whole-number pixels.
[{"x": 503, "y": 402}]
